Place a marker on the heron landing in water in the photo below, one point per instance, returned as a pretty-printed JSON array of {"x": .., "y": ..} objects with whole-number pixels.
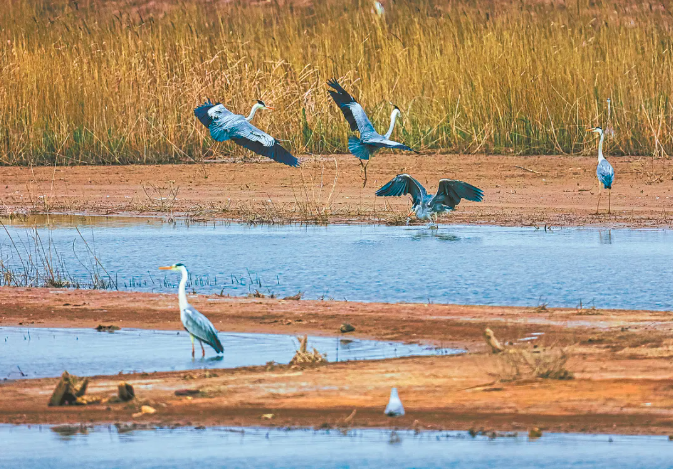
[
  {"x": 604, "y": 171},
  {"x": 225, "y": 125},
  {"x": 195, "y": 323},
  {"x": 427, "y": 206},
  {"x": 370, "y": 140}
]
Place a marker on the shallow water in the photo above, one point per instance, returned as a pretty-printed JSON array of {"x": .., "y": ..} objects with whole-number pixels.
[
  {"x": 105, "y": 447},
  {"x": 619, "y": 268},
  {"x": 42, "y": 352}
]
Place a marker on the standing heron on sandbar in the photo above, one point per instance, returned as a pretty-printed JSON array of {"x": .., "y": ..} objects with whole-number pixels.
[
  {"x": 370, "y": 140},
  {"x": 427, "y": 206},
  {"x": 195, "y": 323},
  {"x": 225, "y": 125},
  {"x": 604, "y": 171}
]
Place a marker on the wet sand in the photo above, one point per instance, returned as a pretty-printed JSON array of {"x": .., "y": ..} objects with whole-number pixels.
[
  {"x": 536, "y": 190},
  {"x": 621, "y": 361}
]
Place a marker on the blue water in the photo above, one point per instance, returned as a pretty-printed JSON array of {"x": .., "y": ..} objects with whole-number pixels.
[
  {"x": 47, "y": 352},
  {"x": 619, "y": 268},
  {"x": 104, "y": 447}
]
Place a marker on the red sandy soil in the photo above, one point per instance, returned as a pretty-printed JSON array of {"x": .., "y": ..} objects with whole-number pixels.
[
  {"x": 621, "y": 361},
  {"x": 561, "y": 191}
]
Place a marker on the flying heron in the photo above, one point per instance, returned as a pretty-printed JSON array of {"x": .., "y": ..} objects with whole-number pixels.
[
  {"x": 604, "y": 171},
  {"x": 427, "y": 206},
  {"x": 370, "y": 140},
  {"x": 195, "y": 323},
  {"x": 225, "y": 125}
]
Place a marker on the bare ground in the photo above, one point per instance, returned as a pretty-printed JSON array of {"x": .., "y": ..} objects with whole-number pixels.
[
  {"x": 540, "y": 190},
  {"x": 621, "y": 361}
]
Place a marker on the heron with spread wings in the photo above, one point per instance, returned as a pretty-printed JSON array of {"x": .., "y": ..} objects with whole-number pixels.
[
  {"x": 225, "y": 125},
  {"x": 370, "y": 140},
  {"x": 196, "y": 324},
  {"x": 427, "y": 206}
]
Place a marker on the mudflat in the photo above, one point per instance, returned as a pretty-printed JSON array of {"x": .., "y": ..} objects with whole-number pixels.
[{"x": 518, "y": 190}]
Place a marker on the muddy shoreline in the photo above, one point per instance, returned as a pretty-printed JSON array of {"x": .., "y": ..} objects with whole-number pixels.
[
  {"x": 621, "y": 361},
  {"x": 519, "y": 191}
]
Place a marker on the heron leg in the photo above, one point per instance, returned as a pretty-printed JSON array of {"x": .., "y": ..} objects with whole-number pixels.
[
  {"x": 599, "y": 198},
  {"x": 364, "y": 169},
  {"x": 609, "y": 194},
  {"x": 203, "y": 351},
  {"x": 192, "y": 337}
]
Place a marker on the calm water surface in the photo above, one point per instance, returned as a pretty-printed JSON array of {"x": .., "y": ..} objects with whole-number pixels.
[
  {"x": 105, "y": 447},
  {"x": 39, "y": 353},
  {"x": 620, "y": 268}
]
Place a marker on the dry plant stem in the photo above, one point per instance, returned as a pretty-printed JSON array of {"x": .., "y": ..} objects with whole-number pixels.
[{"x": 120, "y": 80}]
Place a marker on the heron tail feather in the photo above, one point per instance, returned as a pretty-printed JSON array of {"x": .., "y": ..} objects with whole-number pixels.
[{"x": 357, "y": 148}]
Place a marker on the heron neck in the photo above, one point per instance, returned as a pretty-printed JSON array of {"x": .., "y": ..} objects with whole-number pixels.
[
  {"x": 182, "y": 294},
  {"x": 253, "y": 111},
  {"x": 600, "y": 148},
  {"x": 393, "y": 118}
]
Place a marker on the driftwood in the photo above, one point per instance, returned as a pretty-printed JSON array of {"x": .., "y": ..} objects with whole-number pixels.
[
  {"x": 125, "y": 391},
  {"x": 68, "y": 390},
  {"x": 493, "y": 342},
  {"x": 303, "y": 357}
]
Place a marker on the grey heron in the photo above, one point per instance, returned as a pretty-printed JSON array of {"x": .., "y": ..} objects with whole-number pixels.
[
  {"x": 370, "y": 140},
  {"x": 604, "y": 171},
  {"x": 225, "y": 125},
  {"x": 426, "y": 206},
  {"x": 196, "y": 324}
]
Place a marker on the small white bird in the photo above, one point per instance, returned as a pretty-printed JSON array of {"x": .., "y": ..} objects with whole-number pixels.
[
  {"x": 394, "y": 407},
  {"x": 378, "y": 9}
]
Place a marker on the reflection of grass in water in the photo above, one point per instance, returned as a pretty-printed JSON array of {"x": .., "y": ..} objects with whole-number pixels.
[{"x": 35, "y": 262}]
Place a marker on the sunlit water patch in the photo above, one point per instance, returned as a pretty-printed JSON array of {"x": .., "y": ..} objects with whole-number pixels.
[
  {"x": 42, "y": 352},
  {"x": 619, "y": 268},
  {"x": 107, "y": 447}
]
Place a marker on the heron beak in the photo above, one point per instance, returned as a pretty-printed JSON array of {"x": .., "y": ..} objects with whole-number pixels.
[
  {"x": 591, "y": 130},
  {"x": 269, "y": 108},
  {"x": 167, "y": 267}
]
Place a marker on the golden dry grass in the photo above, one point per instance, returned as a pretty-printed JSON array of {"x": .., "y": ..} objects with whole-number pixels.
[{"x": 112, "y": 82}]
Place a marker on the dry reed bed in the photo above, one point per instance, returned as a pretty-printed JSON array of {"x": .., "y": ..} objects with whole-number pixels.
[{"x": 101, "y": 82}]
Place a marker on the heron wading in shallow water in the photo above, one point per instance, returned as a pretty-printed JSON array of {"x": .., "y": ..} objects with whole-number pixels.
[
  {"x": 195, "y": 323},
  {"x": 370, "y": 140},
  {"x": 604, "y": 171},
  {"x": 427, "y": 206},
  {"x": 225, "y": 125}
]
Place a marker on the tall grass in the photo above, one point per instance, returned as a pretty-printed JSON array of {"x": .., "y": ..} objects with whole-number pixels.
[{"x": 116, "y": 82}]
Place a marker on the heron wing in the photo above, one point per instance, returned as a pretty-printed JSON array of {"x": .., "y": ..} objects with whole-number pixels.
[
  {"x": 250, "y": 137},
  {"x": 382, "y": 142},
  {"x": 351, "y": 109},
  {"x": 605, "y": 173},
  {"x": 403, "y": 184},
  {"x": 450, "y": 193},
  {"x": 200, "y": 327},
  {"x": 222, "y": 120}
]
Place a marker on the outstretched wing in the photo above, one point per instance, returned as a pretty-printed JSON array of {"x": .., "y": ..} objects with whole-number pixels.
[
  {"x": 200, "y": 327},
  {"x": 250, "y": 137},
  {"x": 382, "y": 142},
  {"x": 351, "y": 109},
  {"x": 450, "y": 193},
  {"x": 605, "y": 173},
  {"x": 208, "y": 113},
  {"x": 403, "y": 184}
]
